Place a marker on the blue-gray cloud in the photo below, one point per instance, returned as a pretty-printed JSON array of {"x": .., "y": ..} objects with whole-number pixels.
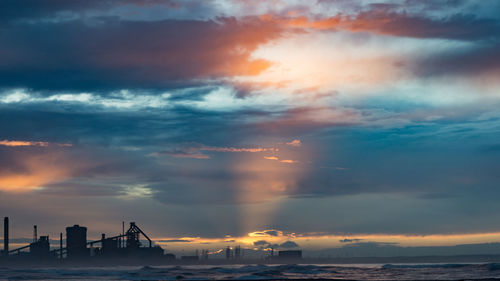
[
  {"x": 134, "y": 146},
  {"x": 119, "y": 54}
]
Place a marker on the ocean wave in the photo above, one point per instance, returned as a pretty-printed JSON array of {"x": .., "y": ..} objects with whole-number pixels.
[
  {"x": 447, "y": 265},
  {"x": 488, "y": 266},
  {"x": 451, "y": 271}
]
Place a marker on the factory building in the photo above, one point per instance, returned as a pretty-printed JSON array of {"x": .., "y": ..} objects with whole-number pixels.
[
  {"x": 76, "y": 242},
  {"x": 40, "y": 248},
  {"x": 110, "y": 246},
  {"x": 125, "y": 245}
]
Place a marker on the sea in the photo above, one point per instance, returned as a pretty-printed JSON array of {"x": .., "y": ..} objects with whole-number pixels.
[{"x": 486, "y": 271}]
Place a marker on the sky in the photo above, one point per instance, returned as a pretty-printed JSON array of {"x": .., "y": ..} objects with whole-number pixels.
[{"x": 289, "y": 124}]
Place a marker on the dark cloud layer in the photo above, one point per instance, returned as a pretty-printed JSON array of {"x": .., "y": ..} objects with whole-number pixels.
[
  {"x": 110, "y": 53},
  {"x": 118, "y": 54},
  {"x": 464, "y": 27},
  {"x": 60, "y": 10},
  {"x": 477, "y": 61}
]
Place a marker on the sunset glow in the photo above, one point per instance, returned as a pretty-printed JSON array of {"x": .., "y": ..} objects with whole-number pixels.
[{"x": 334, "y": 127}]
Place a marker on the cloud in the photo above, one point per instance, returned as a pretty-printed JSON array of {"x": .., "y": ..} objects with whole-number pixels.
[
  {"x": 295, "y": 143},
  {"x": 27, "y": 170},
  {"x": 273, "y": 233},
  {"x": 284, "y": 245},
  {"x": 386, "y": 135},
  {"x": 260, "y": 243},
  {"x": 175, "y": 241},
  {"x": 195, "y": 151},
  {"x": 350, "y": 240},
  {"x": 82, "y": 188},
  {"x": 466, "y": 27},
  {"x": 288, "y": 245},
  {"x": 23, "y": 143},
  {"x": 15, "y": 143},
  {"x": 394, "y": 23},
  {"x": 12, "y": 11},
  {"x": 270, "y": 233},
  {"x": 76, "y": 171},
  {"x": 235, "y": 149},
  {"x": 475, "y": 62},
  {"x": 288, "y": 161},
  {"x": 189, "y": 153},
  {"x": 108, "y": 55},
  {"x": 271, "y": 158}
]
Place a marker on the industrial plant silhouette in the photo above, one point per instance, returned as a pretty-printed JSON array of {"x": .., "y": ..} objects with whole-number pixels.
[{"x": 122, "y": 248}]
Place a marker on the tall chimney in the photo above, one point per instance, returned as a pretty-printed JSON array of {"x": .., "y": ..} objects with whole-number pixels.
[
  {"x": 6, "y": 236},
  {"x": 60, "y": 246}
]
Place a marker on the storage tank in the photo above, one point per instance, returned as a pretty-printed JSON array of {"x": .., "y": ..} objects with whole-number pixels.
[{"x": 76, "y": 241}]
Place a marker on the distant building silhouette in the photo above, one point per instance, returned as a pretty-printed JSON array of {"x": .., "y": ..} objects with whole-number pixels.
[
  {"x": 237, "y": 252},
  {"x": 40, "y": 248},
  {"x": 204, "y": 254},
  {"x": 78, "y": 248},
  {"x": 76, "y": 242},
  {"x": 290, "y": 254},
  {"x": 189, "y": 258},
  {"x": 6, "y": 236}
]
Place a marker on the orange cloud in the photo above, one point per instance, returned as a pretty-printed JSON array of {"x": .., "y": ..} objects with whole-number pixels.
[
  {"x": 15, "y": 143},
  {"x": 295, "y": 143},
  {"x": 289, "y": 161},
  {"x": 321, "y": 241},
  {"x": 23, "y": 143},
  {"x": 304, "y": 22},
  {"x": 388, "y": 23},
  {"x": 271, "y": 158},
  {"x": 216, "y": 49},
  {"x": 35, "y": 171}
]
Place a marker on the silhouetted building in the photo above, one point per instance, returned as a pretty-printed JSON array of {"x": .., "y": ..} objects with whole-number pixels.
[
  {"x": 237, "y": 252},
  {"x": 77, "y": 246},
  {"x": 6, "y": 236},
  {"x": 295, "y": 254},
  {"x": 40, "y": 248},
  {"x": 134, "y": 246},
  {"x": 133, "y": 236},
  {"x": 110, "y": 246},
  {"x": 204, "y": 254},
  {"x": 60, "y": 245},
  {"x": 169, "y": 256},
  {"x": 189, "y": 258},
  {"x": 76, "y": 242}
]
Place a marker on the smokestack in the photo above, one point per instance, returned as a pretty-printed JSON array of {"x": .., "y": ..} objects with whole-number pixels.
[
  {"x": 60, "y": 245},
  {"x": 123, "y": 234},
  {"x": 6, "y": 236},
  {"x": 35, "y": 233}
]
